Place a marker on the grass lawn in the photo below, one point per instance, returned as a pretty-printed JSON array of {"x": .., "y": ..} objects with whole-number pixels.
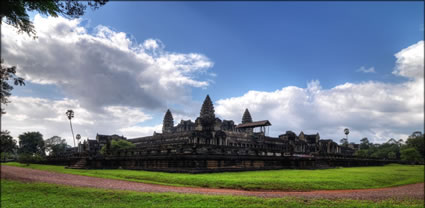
[
  {"x": 18, "y": 194},
  {"x": 329, "y": 179}
]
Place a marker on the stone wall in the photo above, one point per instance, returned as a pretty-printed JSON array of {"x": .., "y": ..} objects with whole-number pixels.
[{"x": 221, "y": 163}]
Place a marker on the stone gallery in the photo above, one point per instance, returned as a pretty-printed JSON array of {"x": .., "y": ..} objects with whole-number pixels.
[{"x": 210, "y": 144}]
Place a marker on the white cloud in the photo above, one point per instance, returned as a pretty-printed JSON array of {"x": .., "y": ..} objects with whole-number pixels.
[
  {"x": 109, "y": 80},
  {"x": 410, "y": 61},
  {"x": 48, "y": 117},
  {"x": 138, "y": 131},
  {"x": 112, "y": 81},
  {"x": 103, "y": 68},
  {"x": 133, "y": 115},
  {"x": 371, "y": 109},
  {"x": 366, "y": 70},
  {"x": 151, "y": 44}
]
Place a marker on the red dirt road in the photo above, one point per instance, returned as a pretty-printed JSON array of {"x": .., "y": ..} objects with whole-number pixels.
[{"x": 414, "y": 191}]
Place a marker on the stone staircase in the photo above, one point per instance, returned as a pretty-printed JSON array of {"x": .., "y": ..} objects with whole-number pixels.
[{"x": 80, "y": 164}]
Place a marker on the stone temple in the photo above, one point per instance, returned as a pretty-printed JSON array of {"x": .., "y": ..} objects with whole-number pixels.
[
  {"x": 215, "y": 134},
  {"x": 210, "y": 144}
]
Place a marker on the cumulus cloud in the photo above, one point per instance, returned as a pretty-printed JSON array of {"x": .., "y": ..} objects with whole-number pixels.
[
  {"x": 104, "y": 67},
  {"x": 410, "y": 61},
  {"x": 111, "y": 81},
  {"x": 108, "y": 79},
  {"x": 48, "y": 117},
  {"x": 138, "y": 131},
  {"x": 370, "y": 109},
  {"x": 366, "y": 70}
]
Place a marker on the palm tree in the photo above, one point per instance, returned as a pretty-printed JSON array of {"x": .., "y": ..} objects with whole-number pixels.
[
  {"x": 346, "y": 132},
  {"x": 70, "y": 114},
  {"x": 78, "y": 137}
]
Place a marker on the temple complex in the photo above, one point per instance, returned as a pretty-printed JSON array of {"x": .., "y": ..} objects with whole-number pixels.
[
  {"x": 247, "y": 138},
  {"x": 210, "y": 144}
]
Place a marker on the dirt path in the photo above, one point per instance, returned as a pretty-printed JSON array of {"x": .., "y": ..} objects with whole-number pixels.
[{"x": 414, "y": 191}]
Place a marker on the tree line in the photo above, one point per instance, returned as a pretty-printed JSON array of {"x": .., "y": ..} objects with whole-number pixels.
[
  {"x": 410, "y": 150},
  {"x": 31, "y": 145},
  {"x": 33, "y": 148}
]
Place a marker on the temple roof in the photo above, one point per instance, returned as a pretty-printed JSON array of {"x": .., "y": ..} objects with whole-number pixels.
[{"x": 254, "y": 124}]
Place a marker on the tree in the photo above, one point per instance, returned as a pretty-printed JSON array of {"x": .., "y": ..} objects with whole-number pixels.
[
  {"x": 389, "y": 150},
  {"x": 31, "y": 143},
  {"x": 116, "y": 146},
  {"x": 415, "y": 134},
  {"x": 344, "y": 142},
  {"x": 55, "y": 145},
  {"x": 410, "y": 154},
  {"x": 400, "y": 142},
  {"x": 391, "y": 155},
  {"x": 362, "y": 153},
  {"x": 364, "y": 143},
  {"x": 7, "y": 144},
  {"x": 417, "y": 141},
  {"x": 70, "y": 115},
  {"x": 392, "y": 141},
  {"x": 16, "y": 14},
  {"x": 346, "y": 132},
  {"x": 6, "y": 74}
]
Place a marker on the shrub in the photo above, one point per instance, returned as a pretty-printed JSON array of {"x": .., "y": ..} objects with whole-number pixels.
[
  {"x": 411, "y": 155},
  {"x": 116, "y": 146},
  {"x": 28, "y": 158}
]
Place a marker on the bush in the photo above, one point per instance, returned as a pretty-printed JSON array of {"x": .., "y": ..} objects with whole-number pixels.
[
  {"x": 28, "y": 158},
  {"x": 362, "y": 153},
  {"x": 116, "y": 146},
  {"x": 391, "y": 155},
  {"x": 411, "y": 155},
  {"x": 6, "y": 156}
]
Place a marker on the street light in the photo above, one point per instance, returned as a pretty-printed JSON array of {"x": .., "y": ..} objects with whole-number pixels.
[{"x": 70, "y": 114}]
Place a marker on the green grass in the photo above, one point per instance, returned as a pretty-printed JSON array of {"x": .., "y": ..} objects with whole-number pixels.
[
  {"x": 301, "y": 180},
  {"x": 18, "y": 194}
]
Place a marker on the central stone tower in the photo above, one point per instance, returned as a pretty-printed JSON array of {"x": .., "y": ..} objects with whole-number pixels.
[
  {"x": 168, "y": 123},
  {"x": 246, "y": 118},
  {"x": 207, "y": 116}
]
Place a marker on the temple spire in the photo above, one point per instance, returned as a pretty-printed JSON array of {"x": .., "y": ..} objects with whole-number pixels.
[
  {"x": 246, "y": 118},
  {"x": 207, "y": 113},
  {"x": 168, "y": 123},
  {"x": 207, "y": 110}
]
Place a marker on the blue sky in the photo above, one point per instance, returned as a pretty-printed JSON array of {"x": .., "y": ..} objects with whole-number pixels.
[
  {"x": 264, "y": 46},
  {"x": 275, "y": 43}
]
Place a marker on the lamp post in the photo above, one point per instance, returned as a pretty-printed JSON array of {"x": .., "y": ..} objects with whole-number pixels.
[{"x": 70, "y": 114}]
